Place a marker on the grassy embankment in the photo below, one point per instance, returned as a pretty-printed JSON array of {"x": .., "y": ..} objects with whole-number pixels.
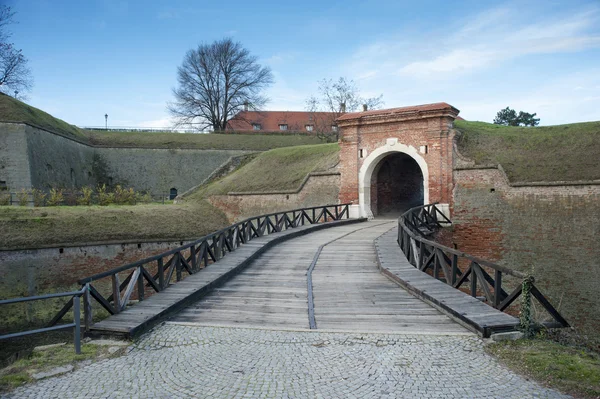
[
  {"x": 13, "y": 110},
  {"x": 535, "y": 154},
  {"x": 21, "y": 372},
  {"x": 29, "y": 228},
  {"x": 571, "y": 369},
  {"x": 22, "y": 227},
  {"x": 198, "y": 141},
  {"x": 274, "y": 170}
]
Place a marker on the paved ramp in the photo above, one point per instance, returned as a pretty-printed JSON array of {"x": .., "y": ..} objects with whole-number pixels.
[{"x": 349, "y": 292}]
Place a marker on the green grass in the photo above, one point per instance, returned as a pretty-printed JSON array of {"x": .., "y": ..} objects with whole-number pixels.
[
  {"x": 527, "y": 154},
  {"x": 208, "y": 141},
  {"x": 566, "y": 368},
  {"x": 275, "y": 170},
  {"x": 22, "y": 227},
  {"x": 20, "y": 372},
  {"x": 13, "y": 110}
]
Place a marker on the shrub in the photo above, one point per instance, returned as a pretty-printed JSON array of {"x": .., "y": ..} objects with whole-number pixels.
[
  {"x": 104, "y": 197},
  {"x": 124, "y": 196},
  {"x": 143, "y": 198},
  {"x": 39, "y": 197},
  {"x": 23, "y": 197},
  {"x": 4, "y": 198},
  {"x": 86, "y": 196},
  {"x": 56, "y": 197},
  {"x": 130, "y": 196},
  {"x": 70, "y": 197}
]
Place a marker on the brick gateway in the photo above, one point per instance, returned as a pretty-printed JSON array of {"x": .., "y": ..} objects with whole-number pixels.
[{"x": 393, "y": 159}]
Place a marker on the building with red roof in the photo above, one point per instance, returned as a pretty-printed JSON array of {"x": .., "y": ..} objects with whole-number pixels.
[{"x": 282, "y": 121}]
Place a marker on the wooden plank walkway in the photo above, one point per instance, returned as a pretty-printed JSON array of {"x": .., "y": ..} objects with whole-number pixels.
[
  {"x": 140, "y": 317},
  {"x": 349, "y": 292},
  {"x": 471, "y": 312}
]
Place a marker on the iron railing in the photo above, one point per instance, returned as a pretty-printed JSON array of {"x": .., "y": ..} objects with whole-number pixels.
[
  {"x": 74, "y": 302},
  {"x": 416, "y": 224}
]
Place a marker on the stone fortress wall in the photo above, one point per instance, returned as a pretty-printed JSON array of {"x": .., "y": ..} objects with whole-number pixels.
[{"x": 31, "y": 157}]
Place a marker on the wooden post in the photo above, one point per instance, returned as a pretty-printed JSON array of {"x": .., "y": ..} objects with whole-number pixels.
[
  {"x": 116, "y": 286},
  {"x": 140, "y": 285},
  {"x": 87, "y": 308},
  {"x": 193, "y": 257},
  {"x": 421, "y": 255},
  {"x": 77, "y": 329},
  {"x": 178, "y": 266},
  {"x": 161, "y": 274},
  {"x": 454, "y": 268},
  {"x": 473, "y": 280},
  {"x": 497, "y": 288}
]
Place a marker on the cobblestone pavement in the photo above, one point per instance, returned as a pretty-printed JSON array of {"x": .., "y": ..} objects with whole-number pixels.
[{"x": 183, "y": 361}]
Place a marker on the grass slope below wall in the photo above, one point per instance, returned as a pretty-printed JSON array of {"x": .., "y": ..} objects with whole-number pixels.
[
  {"x": 22, "y": 227},
  {"x": 13, "y": 110},
  {"x": 199, "y": 141},
  {"x": 531, "y": 154},
  {"x": 275, "y": 170}
]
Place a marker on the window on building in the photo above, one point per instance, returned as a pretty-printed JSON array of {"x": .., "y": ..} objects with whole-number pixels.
[
  {"x": 334, "y": 128},
  {"x": 309, "y": 128},
  {"x": 3, "y": 186},
  {"x": 283, "y": 127},
  {"x": 256, "y": 126}
]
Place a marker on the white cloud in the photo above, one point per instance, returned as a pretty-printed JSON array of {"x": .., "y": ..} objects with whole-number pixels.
[
  {"x": 283, "y": 97},
  {"x": 503, "y": 57},
  {"x": 461, "y": 60},
  {"x": 556, "y": 102},
  {"x": 155, "y": 123},
  {"x": 487, "y": 40}
]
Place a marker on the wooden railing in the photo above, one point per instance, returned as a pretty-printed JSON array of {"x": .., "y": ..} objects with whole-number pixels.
[
  {"x": 415, "y": 225},
  {"x": 74, "y": 301},
  {"x": 154, "y": 274}
]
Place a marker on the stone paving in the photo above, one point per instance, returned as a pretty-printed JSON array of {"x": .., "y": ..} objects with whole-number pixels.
[{"x": 186, "y": 361}]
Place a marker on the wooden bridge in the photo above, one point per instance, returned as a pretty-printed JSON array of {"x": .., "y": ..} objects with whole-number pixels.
[{"x": 314, "y": 269}]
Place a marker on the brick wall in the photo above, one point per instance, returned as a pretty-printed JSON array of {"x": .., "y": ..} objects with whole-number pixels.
[
  {"x": 553, "y": 230},
  {"x": 431, "y": 132}
]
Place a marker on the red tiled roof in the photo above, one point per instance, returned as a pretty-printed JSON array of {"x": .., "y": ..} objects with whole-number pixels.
[
  {"x": 400, "y": 110},
  {"x": 270, "y": 120}
]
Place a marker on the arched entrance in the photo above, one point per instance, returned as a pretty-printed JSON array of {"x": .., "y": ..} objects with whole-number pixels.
[
  {"x": 393, "y": 178},
  {"x": 396, "y": 185}
]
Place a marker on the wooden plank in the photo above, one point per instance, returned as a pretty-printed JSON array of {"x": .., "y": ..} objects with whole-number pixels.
[{"x": 145, "y": 314}]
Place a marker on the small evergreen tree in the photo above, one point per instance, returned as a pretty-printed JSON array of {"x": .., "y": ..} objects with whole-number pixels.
[{"x": 509, "y": 117}]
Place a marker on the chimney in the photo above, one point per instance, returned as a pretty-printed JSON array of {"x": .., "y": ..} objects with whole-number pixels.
[
  {"x": 246, "y": 106},
  {"x": 343, "y": 107},
  {"x": 364, "y": 107}
]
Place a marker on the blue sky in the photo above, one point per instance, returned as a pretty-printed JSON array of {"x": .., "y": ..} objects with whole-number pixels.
[{"x": 120, "y": 57}]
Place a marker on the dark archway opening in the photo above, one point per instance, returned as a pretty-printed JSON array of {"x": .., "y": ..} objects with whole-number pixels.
[
  {"x": 172, "y": 193},
  {"x": 396, "y": 185}
]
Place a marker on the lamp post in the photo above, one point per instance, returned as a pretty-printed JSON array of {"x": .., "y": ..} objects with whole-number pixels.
[{"x": 105, "y": 121}]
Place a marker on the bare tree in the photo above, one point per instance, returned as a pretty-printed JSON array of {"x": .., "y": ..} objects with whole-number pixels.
[
  {"x": 216, "y": 81},
  {"x": 15, "y": 74},
  {"x": 335, "y": 98}
]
